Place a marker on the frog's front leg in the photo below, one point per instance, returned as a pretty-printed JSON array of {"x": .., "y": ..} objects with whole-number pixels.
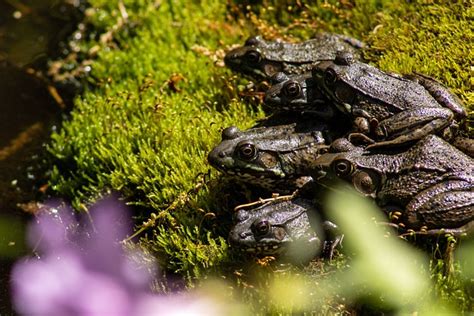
[
  {"x": 449, "y": 204},
  {"x": 333, "y": 239},
  {"x": 411, "y": 125}
]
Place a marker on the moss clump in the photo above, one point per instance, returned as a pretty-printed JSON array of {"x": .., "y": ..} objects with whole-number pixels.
[{"x": 158, "y": 97}]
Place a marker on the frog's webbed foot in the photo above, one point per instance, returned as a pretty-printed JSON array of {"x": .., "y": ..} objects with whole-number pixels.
[
  {"x": 411, "y": 125},
  {"x": 447, "y": 204}
]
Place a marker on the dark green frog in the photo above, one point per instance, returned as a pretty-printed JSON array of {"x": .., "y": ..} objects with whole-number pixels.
[
  {"x": 431, "y": 183},
  {"x": 286, "y": 228},
  {"x": 298, "y": 93},
  {"x": 261, "y": 59},
  {"x": 268, "y": 156},
  {"x": 301, "y": 93},
  {"x": 387, "y": 109}
]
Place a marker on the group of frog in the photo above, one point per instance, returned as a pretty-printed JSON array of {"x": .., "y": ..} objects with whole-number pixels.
[{"x": 394, "y": 138}]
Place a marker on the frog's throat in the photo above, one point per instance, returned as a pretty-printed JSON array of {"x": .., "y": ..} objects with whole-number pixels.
[{"x": 296, "y": 162}]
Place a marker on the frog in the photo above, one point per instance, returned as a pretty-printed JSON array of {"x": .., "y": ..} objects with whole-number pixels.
[
  {"x": 387, "y": 109},
  {"x": 261, "y": 59},
  {"x": 286, "y": 228},
  {"x": 266, "y": 156},
  {"x": 298, "y": 93},
  {"x": 431, "y": 183}
]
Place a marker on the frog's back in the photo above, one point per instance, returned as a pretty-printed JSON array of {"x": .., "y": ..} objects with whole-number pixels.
[
  {"x": 429, "y": 162},
  {"x": 434, "y": 153},
  {"x": 322, "y": 47},
  {"x": 391, "y": 89}
]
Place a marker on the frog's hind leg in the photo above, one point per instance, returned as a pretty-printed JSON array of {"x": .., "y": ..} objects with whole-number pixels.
[
  {"x": 440, "y": 93},
  {"x": 466, "y": 145},
  {"x": 352, "y": 41},
  {"x": 448, "y": 204},
  {"x": 465, "y": 230},
  {"x": 411, "y": 125}
]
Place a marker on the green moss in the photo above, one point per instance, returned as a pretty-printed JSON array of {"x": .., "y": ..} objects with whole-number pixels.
[{"x": 158, "y": 98}]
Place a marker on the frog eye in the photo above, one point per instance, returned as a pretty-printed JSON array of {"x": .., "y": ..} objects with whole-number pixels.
[
  {"x": 262, "y": 228},
  {"x": 343, "y": 167},
  {"x": 330, "y": 77},
  {"x": 344, "y": 58},
  {"x": 247, "y": 151},
  {"x": 253, "y": 57},
  {"x": 252, "y": 41},
  {"x": 365, "y": 182},
  {"x": 278, "y": 77},
  {"x": 241, "y": 216},
  {"x": 291, "y": 89},
  {"x": 230, "y": 132}
]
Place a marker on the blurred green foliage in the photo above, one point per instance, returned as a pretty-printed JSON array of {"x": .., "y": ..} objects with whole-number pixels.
[
  {"x": 158, "y": 97},
  {"x": 12, "y": 237}
]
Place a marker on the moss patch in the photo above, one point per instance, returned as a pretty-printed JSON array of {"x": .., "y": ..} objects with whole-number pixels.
[{"x": 158, "y": 98}]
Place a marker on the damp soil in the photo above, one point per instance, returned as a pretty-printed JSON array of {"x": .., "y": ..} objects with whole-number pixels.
[{"x": 31, "y": 33}]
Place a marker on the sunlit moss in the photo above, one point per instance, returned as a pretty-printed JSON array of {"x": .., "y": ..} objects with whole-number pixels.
[{"x": 158, "y": 98}]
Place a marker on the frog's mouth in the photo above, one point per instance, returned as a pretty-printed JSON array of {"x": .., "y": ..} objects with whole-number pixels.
[
  {"x": 235, "y": 63},
  {"x": 272, "y": 183},
  {"x": 258, "y": 175},
  {"x": 266, "y": 249}
]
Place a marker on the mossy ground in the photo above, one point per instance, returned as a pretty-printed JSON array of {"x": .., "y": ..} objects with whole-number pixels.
[{"x": 158, "y": 97}]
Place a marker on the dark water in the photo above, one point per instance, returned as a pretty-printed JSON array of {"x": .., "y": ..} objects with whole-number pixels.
[{"x": 31, "y": 32}]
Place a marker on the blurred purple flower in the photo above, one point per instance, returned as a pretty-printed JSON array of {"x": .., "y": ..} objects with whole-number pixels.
[{"x": 82, "y": 268}]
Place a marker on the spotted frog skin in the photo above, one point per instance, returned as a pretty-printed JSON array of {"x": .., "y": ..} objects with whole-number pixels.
[
  {"x": 387, "y": 109},
  {"x": 298, "y": 93},
  {"x": 431, "y": 183},
  {"x": 261, "y": 59},
  {"x": 271, "y": 229},
  {"x": 267, "y": 156}
]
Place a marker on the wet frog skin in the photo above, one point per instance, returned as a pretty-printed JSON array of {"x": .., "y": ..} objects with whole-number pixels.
[
  {"x": 440, "y": 93},
  {"x": 301, "y": 93},
  {"x": 261, "y": 59},
  {"x": 432, "y": 183},
  {"x": 267, "y": 156},
  {"x": 298, "y": 93},
  {"x": 273, "y": 228},
  {"x": 387, "y": 109}
]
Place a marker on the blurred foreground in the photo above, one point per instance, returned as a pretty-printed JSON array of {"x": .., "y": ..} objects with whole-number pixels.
[{"x": 107, "y": 276}]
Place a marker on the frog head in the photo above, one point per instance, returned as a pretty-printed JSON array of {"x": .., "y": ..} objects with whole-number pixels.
[
  {"x": 278, "y": 228},
  {"x": 270, "y": 157},
  {"x": 253, "y": 59},
  {"x": 295, "y": 93}
]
